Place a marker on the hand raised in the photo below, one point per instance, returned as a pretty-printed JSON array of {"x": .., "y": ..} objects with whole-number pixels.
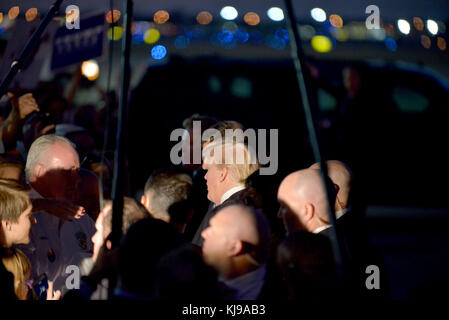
[
  {"x": 50, "y": 295},
  {"x": 59, "y": 208},
  {"x": 24, "y": 105}
]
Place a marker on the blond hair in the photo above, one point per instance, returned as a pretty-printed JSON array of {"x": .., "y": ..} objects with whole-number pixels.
[
  {"x": 18, "y": 264},
  {"x": 14, "y": 200},
  {"x": 242, "y": 164}
]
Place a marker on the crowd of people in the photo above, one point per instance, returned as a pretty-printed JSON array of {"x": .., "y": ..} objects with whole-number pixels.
[{"x": 206, "y": 231}]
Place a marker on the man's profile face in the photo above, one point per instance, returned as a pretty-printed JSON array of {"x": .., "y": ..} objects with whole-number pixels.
[
  {"x": 289, "y": 218},
  {"x": 215, "y": 241},
  {"x": 212, "y": 177},
  {"x": 20, "y": 230},
  {"x": 59, "y": 177}
]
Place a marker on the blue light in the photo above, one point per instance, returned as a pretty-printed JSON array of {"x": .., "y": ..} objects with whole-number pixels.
[
  {"x": 328, "y": 26},
  {"x": 391, "y": 44},
  {"x": 182, "y": 42},
  {"x": 225, "y": 37},
  {"x": 193, "y": 33},
  {"x": 137, "y": 38},
  {"x": 275, "y": 42},
  {"x": 241, "y": 36},
  {"x": 282, "y": 33},
  {"x": 256, "y": 37},
  {"x": 197, "y": 33},
  {"x": 158, "y": 52},
  {"x": 214, "y": 40}
]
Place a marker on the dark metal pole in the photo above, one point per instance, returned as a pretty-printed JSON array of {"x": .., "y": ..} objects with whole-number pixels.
[
  {"x": 298, "y": 59},
  {"x": 119, "y": 157},
  {"x": 32, "y": 43}
]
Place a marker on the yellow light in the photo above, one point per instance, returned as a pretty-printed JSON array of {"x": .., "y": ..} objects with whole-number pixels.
[
  {"x": 252, "y": 18},
  {"x": 204, "y": 17},
  {"x": 425, "y": 41},
  {"x": 321, "y": 44},
  {"x": 418, "y": 23},
  {"x": 151, "y": 36},
  {"x": 31, "y": 14},
  {"x": 117, "y": 32},
  {"x": 13, "y": 12},
  {"x": 1, "y": 17},
  {"x": 441, "y": 43},
  {"x": 113, "y": 14},
  {"x": 90, "y": 69},
  {"x": 161, "y": 17},
  {"x": 336, "y": 20}
]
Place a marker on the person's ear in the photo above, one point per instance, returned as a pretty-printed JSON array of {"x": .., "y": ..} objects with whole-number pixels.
[
  {"x": 224, "y": 171},
  {"x": 309, "y": 211},
  {"x": 39, "y": 171},
  {"x": 145, "y": 201},
  {"x": 108, "y": 244},
  {"x": 4, "y": 224},
  {"x": 235, "y": 248},
  {"x": 7, "y": 225}
]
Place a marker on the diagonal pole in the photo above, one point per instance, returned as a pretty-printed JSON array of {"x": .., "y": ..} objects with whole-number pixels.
[
  {"x": 119, "y": 157},
  {"x": 32, "y": 43},
  {"x": 299, "y": 63}
]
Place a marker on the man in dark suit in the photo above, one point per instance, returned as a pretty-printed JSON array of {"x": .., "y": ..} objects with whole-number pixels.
[
  {"x": 304, "y": 208},
  {"x": 225, "y": 177}
]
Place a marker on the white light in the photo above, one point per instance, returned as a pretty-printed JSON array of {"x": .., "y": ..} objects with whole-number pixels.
[
  {"x": 90, "y": 68},
  {"x": 404, "y": 26},
  {"x": 229, "y": 13},
  {"x": 318, "y": 14},
  {"x": 275, "y": 14},
  {"x": 432, "y": 26}
]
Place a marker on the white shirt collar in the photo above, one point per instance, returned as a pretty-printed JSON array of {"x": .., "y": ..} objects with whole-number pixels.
[
  {"x": 339, "y": 213},
  {"x": 319, "y": 229},
  {"x": 230, "y": 192}
]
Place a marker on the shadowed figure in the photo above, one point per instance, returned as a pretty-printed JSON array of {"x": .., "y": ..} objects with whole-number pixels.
[{"x": 87, "y": 194}]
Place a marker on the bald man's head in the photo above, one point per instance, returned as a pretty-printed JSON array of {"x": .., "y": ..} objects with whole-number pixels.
[
  {"x": 234, "y": 232},
  {"x": 341, "y": 175},
  {"x": 303, "y": 201}
]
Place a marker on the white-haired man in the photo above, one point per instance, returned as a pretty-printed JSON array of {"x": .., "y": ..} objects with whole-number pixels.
[
  {"x": 52, "y": 172},
  {"x": 228, "y": 165}
]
